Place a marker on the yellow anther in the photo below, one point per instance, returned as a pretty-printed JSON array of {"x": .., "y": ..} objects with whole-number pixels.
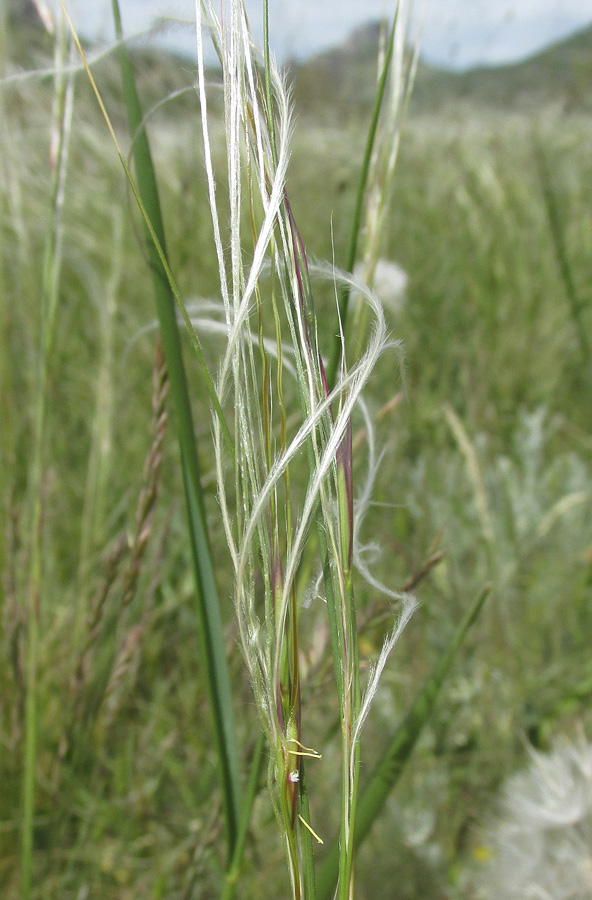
[
  {"x": 314, "y": 834},
  {"x": 304, "y": 751}
]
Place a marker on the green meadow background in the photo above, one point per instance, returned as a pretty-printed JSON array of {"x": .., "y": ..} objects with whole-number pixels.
[{"x": 486, "y": 423}]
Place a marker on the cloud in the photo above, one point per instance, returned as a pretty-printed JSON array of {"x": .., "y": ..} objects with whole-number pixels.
[{"x": 464, "y": 33}]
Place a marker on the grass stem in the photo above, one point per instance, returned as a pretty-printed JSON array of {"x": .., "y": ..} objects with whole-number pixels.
[
  {"x": 350, "y": 261},
  {"x": 63, "y": 95},
  {"x": 392, "y": 763}
]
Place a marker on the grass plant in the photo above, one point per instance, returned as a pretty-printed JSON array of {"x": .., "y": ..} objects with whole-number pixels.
[
  {"x": 264, "y": 531},
  {"x": 113, "y": 789}
]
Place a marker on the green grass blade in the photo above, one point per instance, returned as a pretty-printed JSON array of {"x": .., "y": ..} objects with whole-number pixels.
[
  {"x": 391, "y": 765},
  {"x": 359, "y": 207},
  {"x": 309, "y": 879},
  {"x": 233, "y": 872},
  {"x": 208, "y": 606}
]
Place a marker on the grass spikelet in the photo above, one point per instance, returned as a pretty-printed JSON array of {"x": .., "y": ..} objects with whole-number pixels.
[
  {"x": 102, "y": 618},
  {"x": 474, "y": 472},
  {"x": 128, "y": 654},
  {"x": 94, "y": 624},
  {"x": 150, "y": 476}
]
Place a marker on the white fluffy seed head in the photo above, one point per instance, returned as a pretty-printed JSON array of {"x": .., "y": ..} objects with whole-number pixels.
[
  {"x": 540, "y": 844},
  {"x": 390, "y": 283}
]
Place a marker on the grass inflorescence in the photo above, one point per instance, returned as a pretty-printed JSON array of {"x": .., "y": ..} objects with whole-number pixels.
[{"x": 268, "y": 534}]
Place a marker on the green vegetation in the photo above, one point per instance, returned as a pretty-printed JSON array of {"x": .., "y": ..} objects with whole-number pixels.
[{"x": 486, "y": 478}]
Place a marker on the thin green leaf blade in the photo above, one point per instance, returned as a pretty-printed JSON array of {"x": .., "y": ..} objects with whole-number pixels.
[
  {"x": 336, "y": 351},
  {"x": 252, "y": 787},
  {"x": 309, "y": 880},
  {"x": 207, "y": 596},
  {"x": 392, "y": 763}
]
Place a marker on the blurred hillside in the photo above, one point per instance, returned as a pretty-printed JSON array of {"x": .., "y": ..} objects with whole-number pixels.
[
  {"x": 339, "y": 84},
  {"x": 560, "y": 74}
]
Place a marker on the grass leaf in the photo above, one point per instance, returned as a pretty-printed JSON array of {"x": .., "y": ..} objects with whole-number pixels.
[
  {"x": 208, "y": 605},
  {"x": 358, "y": 209},
  {"x": 392, "y": 763}
]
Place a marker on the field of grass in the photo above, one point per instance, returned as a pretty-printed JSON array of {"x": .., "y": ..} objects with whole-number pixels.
[{"x": 486, "y": 426}]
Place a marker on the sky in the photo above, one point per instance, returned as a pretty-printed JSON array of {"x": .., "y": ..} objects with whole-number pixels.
[{"x": 456, "y": 33}]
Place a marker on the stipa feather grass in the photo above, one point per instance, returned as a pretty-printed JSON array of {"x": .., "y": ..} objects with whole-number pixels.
[{"x": 271, "y": 289}]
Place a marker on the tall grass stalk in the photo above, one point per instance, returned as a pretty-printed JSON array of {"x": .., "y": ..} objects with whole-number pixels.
[
  {"x": 62, "y": 121},
  {"x": 396, "y": 73},
  {"x": 391, "y": 764},
  {"x": 397, "y": 65},
  {"x": 265, "y": 530}
]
